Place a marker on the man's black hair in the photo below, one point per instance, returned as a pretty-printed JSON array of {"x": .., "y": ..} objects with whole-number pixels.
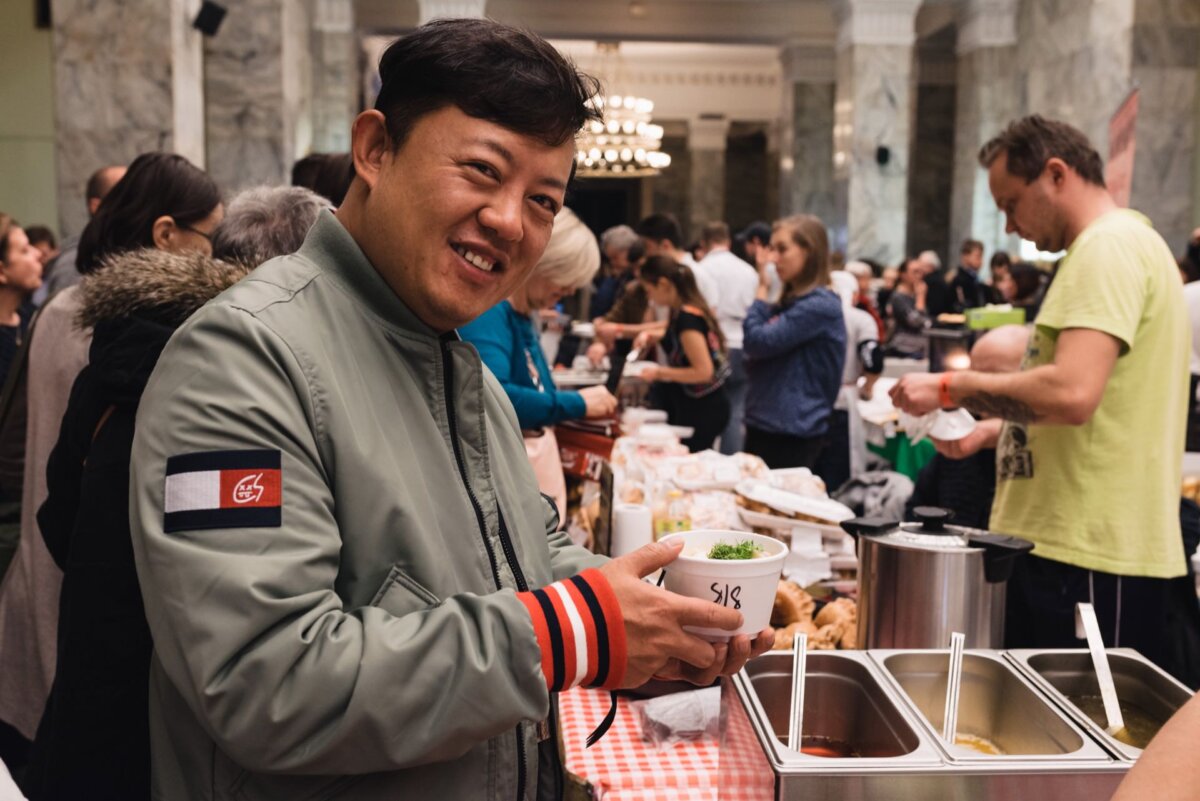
[
  {"x": 39, "y": 233},
  {"x": 327, "y": 174},
  {"x": 490, "y": 71},
  {"x": 757, "y": 230},
  {"x": 658, "y": 227}
]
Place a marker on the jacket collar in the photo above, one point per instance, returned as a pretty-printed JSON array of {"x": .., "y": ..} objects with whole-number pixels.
[{"x": 330, "y": 246}]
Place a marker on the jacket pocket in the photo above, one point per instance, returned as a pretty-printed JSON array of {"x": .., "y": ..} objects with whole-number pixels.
[
  {"x": 401, "y": 594},
  {"x": 263, "y": 787}
]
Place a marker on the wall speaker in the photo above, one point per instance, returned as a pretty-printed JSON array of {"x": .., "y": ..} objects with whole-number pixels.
[
  {"x": 208, "y": 19},
  {"x": 882, "y": 155}
]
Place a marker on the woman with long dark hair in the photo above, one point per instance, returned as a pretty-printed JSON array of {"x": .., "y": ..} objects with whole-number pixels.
[
  {"x": 795, "y": 349},
  {"x": 691, "y": 387},
  {"x": 164, "y": 202},
  {"x": 1023, "y": 287}
]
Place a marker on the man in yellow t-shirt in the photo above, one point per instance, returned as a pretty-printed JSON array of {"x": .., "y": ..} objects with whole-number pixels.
[{"x": 1089, "y": 435}]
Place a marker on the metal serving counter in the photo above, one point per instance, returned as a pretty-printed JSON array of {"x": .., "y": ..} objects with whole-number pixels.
[{"x": 872, "y": 722}]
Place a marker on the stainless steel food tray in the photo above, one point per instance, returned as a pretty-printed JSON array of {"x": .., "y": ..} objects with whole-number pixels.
[
  {"x": 995, "y": 702},
  {"x": 1062, "y": 673}
]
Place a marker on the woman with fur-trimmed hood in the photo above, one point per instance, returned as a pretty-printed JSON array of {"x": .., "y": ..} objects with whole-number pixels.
[{"x": 93, "y": 740}]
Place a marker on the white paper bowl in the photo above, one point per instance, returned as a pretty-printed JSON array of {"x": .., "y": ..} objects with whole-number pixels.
[
  {"x": 952, "y": 425},
  {"x": 747, "y": 585}
]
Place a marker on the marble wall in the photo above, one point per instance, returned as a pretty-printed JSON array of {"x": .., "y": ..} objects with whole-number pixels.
[
  {"x": 872, "y": 110},
  {"x": 671, "y": 188},
  {"x": 707, "y": 190},
  {"x": 126, "y": 81},
  {"x": 930, "y": 172},
  {"x": 986, "y": 102},
  {"x": 1166, "y": 44},
  {"x": 808, "y": 186},
  {"x": 1074, "y": 61},
  {"x": 257, "y": 77},
  {"x": 748, "y": 170}
]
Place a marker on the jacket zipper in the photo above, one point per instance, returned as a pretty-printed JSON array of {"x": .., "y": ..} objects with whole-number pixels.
[{"x": 510, "y": 554}]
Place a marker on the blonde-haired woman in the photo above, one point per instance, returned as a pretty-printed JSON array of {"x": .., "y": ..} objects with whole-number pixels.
[
  {"x": 507, "y": 340},
  {"x": 795, "y": 349}
]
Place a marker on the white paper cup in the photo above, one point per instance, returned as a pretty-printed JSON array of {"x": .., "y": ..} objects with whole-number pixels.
[
  {"x": 747, "y": 585},
  {"x": 632, "y": 527}
]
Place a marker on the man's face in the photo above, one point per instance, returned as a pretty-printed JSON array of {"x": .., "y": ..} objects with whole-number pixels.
[
  {"x": 457, "y": 217},
  {"x": 618, "y": 258},
  {"x": 1030, "y": 210},
  {"x": 654, "y": 247},
  {"x": 973, "y": 259}
]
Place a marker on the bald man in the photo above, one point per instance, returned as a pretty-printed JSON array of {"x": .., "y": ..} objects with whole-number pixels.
[
  {"x": 61, "y": 272},
  {"x": 966, "y": 484}
]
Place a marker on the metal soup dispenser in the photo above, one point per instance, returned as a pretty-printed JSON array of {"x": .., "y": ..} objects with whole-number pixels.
[{"x": 919, "y": 582}]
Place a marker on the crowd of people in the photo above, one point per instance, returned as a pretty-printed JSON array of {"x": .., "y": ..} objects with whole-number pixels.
[{"x": 271, "y": 463}]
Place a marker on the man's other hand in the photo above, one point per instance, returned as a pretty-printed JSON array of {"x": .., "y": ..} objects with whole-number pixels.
[
  {"x": 654, "y": 621},
  {"x": 985, "y": 435}
]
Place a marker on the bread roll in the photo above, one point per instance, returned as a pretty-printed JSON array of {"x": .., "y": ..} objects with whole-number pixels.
[
  {"x": 842, "y": 609},
  {"x": 786, "y": 637},
  {"x": 792, "y": 605}
]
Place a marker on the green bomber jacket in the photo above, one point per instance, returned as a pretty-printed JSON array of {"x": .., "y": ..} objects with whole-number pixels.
[{"x": 332, "y": 515}]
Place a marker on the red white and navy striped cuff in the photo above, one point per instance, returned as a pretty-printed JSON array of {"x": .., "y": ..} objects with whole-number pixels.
[{"x": 580, "y": 630}]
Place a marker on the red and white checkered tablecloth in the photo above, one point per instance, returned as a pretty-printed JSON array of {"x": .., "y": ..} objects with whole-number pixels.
[{"x": 622, "y": 767}]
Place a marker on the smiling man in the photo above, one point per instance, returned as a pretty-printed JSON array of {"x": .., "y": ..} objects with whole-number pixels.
[
  {"x": 1089, "y": 435},
  {"x": 354, "y": 587}
]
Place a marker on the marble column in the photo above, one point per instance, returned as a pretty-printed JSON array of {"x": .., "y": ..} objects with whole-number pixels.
[
  {"x": 806, "y": 133},
  {"x": 258, "y": 84},
  {"x": 872, "y": 125},
  {"x": 986, "y": 101},
  {"x": 449, "y": 9},
  {"x": 127, "y": 80},
  {"x": 1166, "y": 41},
  {"x": 706, "y": 145},
  {"x": 334, "y": 75}
]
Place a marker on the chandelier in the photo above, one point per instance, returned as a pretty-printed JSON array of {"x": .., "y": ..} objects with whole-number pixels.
[{"x": 626, "y": 144}]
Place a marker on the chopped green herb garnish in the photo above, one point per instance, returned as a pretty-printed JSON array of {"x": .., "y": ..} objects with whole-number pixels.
[{"x": 746, "y": 549}]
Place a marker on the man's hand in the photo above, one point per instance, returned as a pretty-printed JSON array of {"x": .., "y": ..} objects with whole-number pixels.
[
  {"x": 654, "y": 620},
  {"x": 600, "y": 402},
  {"x": 917, "y": 393},
  {"x": 985, "y": 435},
  {"x": 606, "y": 331},
  {"x": 596, "y": 353},
  {"x": 731, "y": 657},
  {"x": 646, "y": 340}
]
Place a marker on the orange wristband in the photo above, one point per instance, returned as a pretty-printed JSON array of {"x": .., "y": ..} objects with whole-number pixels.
[{"x": 944, "y": 399}]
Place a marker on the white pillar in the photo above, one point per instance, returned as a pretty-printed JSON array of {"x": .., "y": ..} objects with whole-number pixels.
[
  {"x": 872, "y": 126},
  {"x": 450, "y": 9},
  {"x": 986, "y": 102},
  {"x": 806, "y": 131},
  {"x": 335, "y": 75}
]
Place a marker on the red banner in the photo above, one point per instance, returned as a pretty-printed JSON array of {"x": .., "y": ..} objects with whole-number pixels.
[{"x": 1118, "y": 174}]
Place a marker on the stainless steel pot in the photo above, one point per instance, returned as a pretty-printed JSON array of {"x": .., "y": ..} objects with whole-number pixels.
[{"x": 920, "y": 582}]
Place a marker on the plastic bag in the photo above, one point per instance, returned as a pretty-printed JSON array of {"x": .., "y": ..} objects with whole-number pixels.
[{"x": 679, "y": 717}]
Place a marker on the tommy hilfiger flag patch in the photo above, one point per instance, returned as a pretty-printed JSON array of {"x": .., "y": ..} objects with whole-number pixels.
[{"x": 223, "y": 489}]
